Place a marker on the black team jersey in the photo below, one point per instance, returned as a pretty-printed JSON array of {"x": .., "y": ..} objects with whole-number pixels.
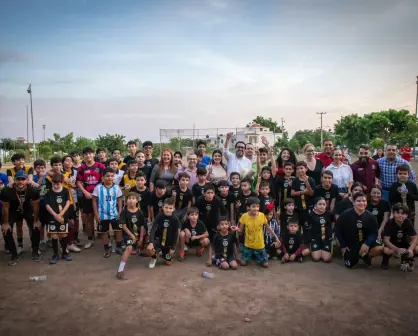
[
  {"x": 321, "y": 225},
  {"x": 157, "y": 202},
  {"x": 264, "y": 201},
  {"x": 196, "y": 230},
  {"x": 378, "y": 210},
  {"x": 328, "y": 194},
  {"x": 283, "y": 189},
  {"x": 352, "y": 229},
  {"x": 302, "y": 202},
  {"x": 164, "y": 231},
  {"x": 285, "y": 218},
  {"x": 235, "y": 191},
  {"x": 292, "y": 243},
  {"x": 209, "y": 211},
  {"x": 183, "y": 197},
  {"x": 411, "y": 196},
  {"x": 243, "y": 200},
  {"x": 198, "y": 190},
  {"x": 20, "y": 201},
  {"x": 57, "y": 201},
  {"x": 133, "y": 220},
  {"x": 400, "y": 235},
  {"x": 343, "y": 205},
  {"x": 144, "y": 199},
  {"x": 227, "y": 200},
  {"x": 224, "y": 245}
]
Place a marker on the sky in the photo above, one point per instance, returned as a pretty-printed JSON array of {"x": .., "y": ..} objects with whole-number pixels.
[{"x": 134, "y": 67}]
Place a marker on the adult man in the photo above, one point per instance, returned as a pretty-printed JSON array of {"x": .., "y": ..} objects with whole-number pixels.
[
  {"x": 132, "y": 152},
  {"x": 406, "y": 152},
  {"x": 201, "y": 144},
  {"x": 249, "y": 153},
  {"x": 326, "y": 156},
  {"x": 365, "y": 170},
  {"x": 387, "y": 167},
  {"x": 190, "y": 170},
  {"x": 237, "y": 162}
]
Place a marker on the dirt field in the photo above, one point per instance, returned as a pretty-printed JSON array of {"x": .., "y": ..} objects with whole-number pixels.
[{"x": 83, "y": 297}]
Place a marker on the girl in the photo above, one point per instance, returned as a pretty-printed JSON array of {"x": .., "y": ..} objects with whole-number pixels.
[
  {"x": 342, "y": 173},
  {"x": 347, "y": 203},
  {"x": 379, "y": 208}
]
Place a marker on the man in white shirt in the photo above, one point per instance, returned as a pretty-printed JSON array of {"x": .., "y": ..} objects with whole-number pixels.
[{"x": 237, "y": 162}]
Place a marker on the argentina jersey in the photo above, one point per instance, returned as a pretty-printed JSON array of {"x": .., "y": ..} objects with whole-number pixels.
[{"x": 107, "y": 201}]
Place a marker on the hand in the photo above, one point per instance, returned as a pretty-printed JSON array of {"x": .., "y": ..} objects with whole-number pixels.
[
  {"x": 133, "y": 238},
  {"x": 58, "y": 218},
  {"x": 209, "y": 168},
  {"x": 229, "y": 135},
  {"x": 303, "y": 178},
  {"x": 150, "y": 247},
  {"x": 193, "y": 238},
  {"x": 238, "y": 204},
  {"x": 67, "y": 180},
  {"x": 286, "y": 257},
  {"x": 410, "y": 253},
  {"x": 264, "y": 141},
  {"x": 38, "y": 224},
  {"x": 97, "y": 218},
  {"x": 292, "y": 257},
  {"x": 234, "y": 228},
  {"x": 87, "y": 195},
  {"x": 257, "y": 151},
  {"x": 379, "y": 236},
  {"x": 34, "y": 184},
  {"x": 400, "y": 251},
  {"x": 173, "y": 193},
  {"x": 364, "y": 249},
  {"x": 171, "y": 252},
  {"x": 277, "y": 244},
  {"x": 5, "y": 227}
]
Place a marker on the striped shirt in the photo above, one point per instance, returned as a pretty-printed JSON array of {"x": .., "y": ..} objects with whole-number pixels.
[
  {"x": 107, "y": 201},
  {"x": 388, "y": 171}
]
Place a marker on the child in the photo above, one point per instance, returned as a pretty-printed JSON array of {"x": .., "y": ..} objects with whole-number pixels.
[
  {"x": 272, "y": 247},
  {"x": 400, "y": 238},
  {"x": 101, "y": 155},
  {"x": 320, "y": 221},
  {"x": 183, "y": 196},
  {"x": 245, "y": 194},
  {"x": 327, "y": 190},
  {"x": 140, "y": 159},
  {"x": 57, "y": 203},
  {"x": 193, "y": 234},
  {"x": 407, "y": 195},
  {"x": 144, "y": 195},
  {"x": 379, "y": 208},
  {"x": 292, "y": 243},
  {"x": 132, "y": 221},
  {"x": 235, "y": 184},
  {"x": 266, "y": 176},
  {"x": 129, "y": 179},
  {"x": 118, "y": 176},
  {"x": 347, "y": 203},
  {"x": 284, "y": 185},
  {"x": 77, "y": 164},
  {"x": 199, "y": 188},
  {"x": 252, "y": 224},
  {"x": 265, "y": 199},
  {"x": 18, "y": 161},
  {"x": 225, "y": 246},
  {"x": 158, "y": 197},
  {"x": 4, "y": 181},
  {"x": 210, "y": 208},
  {"x": 164, "y": 234},
  {"x": 228, "y": 199},
  {"x": 40, "y": 179},
  {"x": 288, "y": 214},
  {"x": 107, "y": 206},
  {"x": 116, "y": 154}
]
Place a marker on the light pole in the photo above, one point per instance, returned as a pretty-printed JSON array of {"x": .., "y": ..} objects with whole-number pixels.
[
  {"x": 416, "y": 115},
  {"x": 44, "y": 126},
  {"x": 29, "y": 90}
]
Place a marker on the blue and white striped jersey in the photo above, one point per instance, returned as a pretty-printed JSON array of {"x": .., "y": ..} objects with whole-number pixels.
[{"x": 107, "y": 201}]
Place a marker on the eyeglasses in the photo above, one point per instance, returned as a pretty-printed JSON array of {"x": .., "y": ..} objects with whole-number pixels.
[
  {"x": 240, "y": 147},
  {"x": 310, "y": 151}
]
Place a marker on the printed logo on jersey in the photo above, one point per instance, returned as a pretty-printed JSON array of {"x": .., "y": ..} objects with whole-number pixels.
[
  {"x": 208, "y": 207},
  {"x": 166, "y": 224},
  {"x": 400, "y": 234},
  {"x": 52, "y": 227},
  {"x": 134, "y": 219},
  {"x": 225, "y": 243},
  {"x": 327, "y": 195},
  {"x": 375, "y": 212},
  {"x": 322, "y": 220},
  {"x": 286, "y": 184},
  {"x": 302, "y": 187},
  {"x": 359, "y": 224},
  {"x": 62, "y": 227},
  {"x": 193, "y": 232},
  {"x": 291, "y": 241},
  {"x": 160, "y": 203},
  {"x": 59, "y": 199}
]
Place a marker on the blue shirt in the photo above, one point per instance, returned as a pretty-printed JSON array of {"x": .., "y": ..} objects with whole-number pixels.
[
  {"x": 107, "y": 201},
  {"x": 388, "y": 171},
  {"x": 205, "y": 161}
]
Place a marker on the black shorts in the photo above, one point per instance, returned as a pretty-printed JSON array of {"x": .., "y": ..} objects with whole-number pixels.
[
  {"x": 18, "y": 217},
  {"x": 88, "y": 206},
  {"x": 104, "y": 225},
  {"x": 80, "y": 202},
  {"x": 321, "y": 245},
  {"x": 71, "y": 212},
  {"x": 43, "y": 215},
  {"x": 54, "y": 227},
  {"x": 128, "y": 240},
  {"x": 165, "y": 252}
]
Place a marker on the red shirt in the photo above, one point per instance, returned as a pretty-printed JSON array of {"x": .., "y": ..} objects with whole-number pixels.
[
  {"x": 407, "y": 153},
  {"x": 325, "y": 159},
  {"x": 90, "y": 176},
  {"x": 366, "y": 173}
]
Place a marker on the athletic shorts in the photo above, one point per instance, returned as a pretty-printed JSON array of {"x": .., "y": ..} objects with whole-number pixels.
[
  {"x": 104, "y": 225},
  {"x": 17, "y": 217},
  {"x": 54, "y": 227},
  {"x": 71, "y": 212},
  {"x": 128, "y": 240},
  {"x": 321, "y": 245},
  {"x": 43, "y": 215},
  {"x": 193, "y": 243},
  {"x": 249, "y": 253},
  {"x": 271, "y": 250},
  {"x": 80, "y": 202},
  {"x": 219, "y": 260},
  {"x": 87, "y": 206},
  {"x": 165, "y": 251}
]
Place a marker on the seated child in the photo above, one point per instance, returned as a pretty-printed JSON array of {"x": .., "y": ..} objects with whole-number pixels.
[
  {"x": 225, "y": 246},
  {"x": 292, "y": 243},
  {"x": 272, "y": 247}
]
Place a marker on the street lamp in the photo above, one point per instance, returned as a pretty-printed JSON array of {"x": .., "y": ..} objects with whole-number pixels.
[
  {"x": 44, "y": 126},
  {"x": 29, "y": 90}
]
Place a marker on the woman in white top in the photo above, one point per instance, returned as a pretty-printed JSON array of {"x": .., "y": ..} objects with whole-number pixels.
[
  {"x": 342, "y": 173},
  {"x": 216, "y": 170}
]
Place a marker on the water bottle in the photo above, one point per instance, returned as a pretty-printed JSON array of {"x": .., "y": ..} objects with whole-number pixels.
[
  {"x": 404, "y": 190},
  {"x": 208, "y": 275},
  {"x": 38, "y": 278}
]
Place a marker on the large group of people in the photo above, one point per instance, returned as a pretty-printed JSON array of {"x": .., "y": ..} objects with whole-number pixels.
[{"x": 241, "y": 206}]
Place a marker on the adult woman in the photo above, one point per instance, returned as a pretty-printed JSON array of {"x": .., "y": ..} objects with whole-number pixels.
[
  {"x": 379, "y": 208},
  {"x": 379, "y": 154},
  {"x": 285, "y": 155},
  {"x": 342, "y": 173},
  {"x": 315, "y": 166},
  {"x": 164, "y": 170},
  {"x": 217, "y": 169}
]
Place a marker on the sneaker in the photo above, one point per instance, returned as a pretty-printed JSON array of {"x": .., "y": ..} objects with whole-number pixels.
[
  {"x": 106, "y": 254},
  {"x": 67, "y": 257},
  {"x": 36, "y": 257},
  {"x": 13, "y": 261},
  {"x": 367, "y": 260},
  {"x": 119, "y": 250},
  {"x": 73, "y": 248},
  {"x": 89, "y": 244},
  {"x": 19, "y": 250},
  {"x": 121, "y": 276},
  {"x": 200, "y": 252},
  {"x": 152, "y": 262},
  {"x": 113, "y": 248},
  {"x": 78, "y": 243},
  {"x": 185, "y": 249},
  {"x": 181, "y": 257},
  {"x": 42, "y": 246},
  {"x": 53, "y": 260}
]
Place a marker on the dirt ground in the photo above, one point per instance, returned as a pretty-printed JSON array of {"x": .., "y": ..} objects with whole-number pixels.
[{"x": 84, "y": 297}]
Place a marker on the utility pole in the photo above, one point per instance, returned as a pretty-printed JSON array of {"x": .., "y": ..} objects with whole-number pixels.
[
  {"x": 29, "y": 90},
  {"x": 321, "y": 114},
  {"x": 282, "y": 120},
  {"x": 44, "y": 126},
  {"x": 27, "y": 130},
  {"x": 416, "y": 114}
]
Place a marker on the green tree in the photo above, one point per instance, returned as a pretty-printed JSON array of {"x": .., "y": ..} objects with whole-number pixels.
[
  {"x": 282, "y": 142},
  {"x": 266, "y": 122},
  {"x": 61, "y": 144},
  {"x": 294, "y": 145},
  {"x": 111, "y": 142},
  {"x": 81, "y": 142},
  {"x": 352, "y": 131},
  {"x": 177, "y": 144},
  {"x": 8, "y": 144},
  {"x": 311, "y": 136},
  {"x": 377, "y": 143},
  {"x": 44, "y": 150}
]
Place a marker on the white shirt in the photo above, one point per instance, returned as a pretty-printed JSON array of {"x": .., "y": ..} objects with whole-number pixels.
[
  {"x": 239, "y": 165},
  {"x": 117, "y": 177},
  {"x": 342, "y": 175}
]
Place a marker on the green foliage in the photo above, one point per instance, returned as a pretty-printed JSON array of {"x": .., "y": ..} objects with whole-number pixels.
[
  {"x": 282, "y": 142},
  {"x": 8, "y": 144},
  {"x": 266, "y": 122},
  {"x": 111, "y": 142},
  {"x": 177, "y": 144},
  {"x": 311, "y": 136},
  {"x": 377, "y": 143},
  {"x": 44, "y": 150},
  {"x": 61, "y": 144},
  {"x": 294, "y": 145},
  {"x": 81, "y": 142}
]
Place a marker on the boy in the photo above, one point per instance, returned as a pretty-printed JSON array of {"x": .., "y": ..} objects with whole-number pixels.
[
  {"x": 140, "y": 159},
  {"x": 251, "y": 224},
  {"x": 129, "y": 179},
  {"x": 235, "y": 184},
  {"x": 288, "y": 214},
  {"x": 116, "y": 154},
  {"x": 117, "y": 177},
  {"x": 400, "y": 238},
  {"x": 40, "y": 179},
  {"x": 88, "y": 176},
  {"x": 210, "y": 208},
  {"x": 193, "y": 234},
  {"x": 228, "y": 199},
  {"x": 18, "y": 161},
  {"x": 183, "y": 196},
  {"x": 164, "y": 234},
  {"x": 131, "y": 151},
  {"x": 199, "y": 188},
  {"x": 101, "y": 155},
  {"x": 245, "y": 194},
  {"x": 225, "y": 246},
  {"x": 144, "y": 195},
  {"x": 292, "y": 243},
  {"x": 75, "y": 154},
  {"x": 284, "y": 185},
  {"x": 158, "y": 197},
  {"x": 327, "y": 190},
  {"x": 4, "y": 181},
  {"x": 132, "y": 221},
  {"x": 272, "y": 247},
  {"x": 150, "y": 162},
  {"x": 107, "y": 206},
  {"x": 407, "y": 195},
  {"x": 265, "y": 199},
  {"x": 57, "y": 203}
]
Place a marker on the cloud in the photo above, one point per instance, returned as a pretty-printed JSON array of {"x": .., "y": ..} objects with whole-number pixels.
[{"x": 9, "y": 56}]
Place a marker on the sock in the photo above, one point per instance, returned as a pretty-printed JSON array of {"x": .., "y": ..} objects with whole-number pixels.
[
  {"x": 20, "y": 241},
  {"x": 64, "y": 243},
  {"x": 121, "y": 266},
  {"x": 118, "y": 244},
  {"x": 181, "y": 254},
  {"x": 76, "y": 235},
  {"x": 106, "y": 247},
  {"x": 90, "y": 237},
  {"x": 55, "y": 246}
]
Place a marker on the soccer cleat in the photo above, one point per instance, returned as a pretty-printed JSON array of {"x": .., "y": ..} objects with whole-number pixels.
[
  {"x": 73, "y": 248},
  {"x": 13, "y": 261},
  {"x": 36, "y": 257},
  {"x": 19, "y": 250},
  {"x": 53, "y": 260},
  {"x": 152, "y": 262},
  {"x": 42, "y": 246},
  {"x": 67, "y": 257},
  {"x": 89, "y": 244},
  {"x": 121, "y": 276}
]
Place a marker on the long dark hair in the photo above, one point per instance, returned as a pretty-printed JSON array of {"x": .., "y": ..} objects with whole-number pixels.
[
  {"x": 217, "y": 151},
  {"x": 292, "y": 158}
]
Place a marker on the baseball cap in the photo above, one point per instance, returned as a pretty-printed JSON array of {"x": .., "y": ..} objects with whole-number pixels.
[{"x": 21, "y": 174}]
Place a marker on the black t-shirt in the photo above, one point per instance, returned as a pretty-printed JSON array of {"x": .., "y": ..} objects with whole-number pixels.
[
  {"x": 321, "y": 225},
  {"x": 411, "y": 196},
  {"x": 57, "y": 201},
  {"x": 144, "y": 199},
  {"x": 400, "y": 235},
  {"x": 227, "y": 201},
  {"x": 198, "y": 190},
  {"x": 151, "y": 163},
  {"x": 197, "y": 230},
  {"x": 235, "y": 191},
  {"x": 328, "y": 194},
  {"x": 352, "y": 229},
  {"x": 209, "y": 211},
  {"x": 292, "y": 242},
  {"x": 164, "y": 231},
  {"x": 343, "y": 205},
  {"x": 378, "y": 210},
  {"x": 133, "y": 220},
  {"x": 182, "y": 197},
  {"x": 243, "y": 200},
  {"x": 316, "y": 173},
  {"x": 302, "y": 202},
  {"x": 283, "y": 189},
  {"x": 128, "y": 158},
  {"x": 147, "y": 171},
  {"x": 224, "y": 245},
  {"x": 20, "y": 201},
  {"x": 264, "y": 201},
  {"x": 158, "y": 202},
  {"x": 12, "y": 171}
]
